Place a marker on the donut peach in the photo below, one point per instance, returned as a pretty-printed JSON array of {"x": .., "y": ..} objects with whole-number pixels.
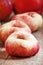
[
  {"x": 32, "y": 19},
  {"x": 10, "y": 27},
  {"x": 21, "y": 44}
]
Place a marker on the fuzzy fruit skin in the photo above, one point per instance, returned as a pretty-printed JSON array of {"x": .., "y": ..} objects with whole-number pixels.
[
  {"x": 40, "y": 11},
  {"x": 21, "y": 44},
  {"x": 32, "y": 19},
  {"x": 5, "y": 9},
  {"x": 10, "y": 27},
  {"x": 21, "y": 6}
]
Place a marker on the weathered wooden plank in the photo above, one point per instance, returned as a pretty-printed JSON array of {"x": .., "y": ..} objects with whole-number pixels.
[
  {"x": 3, "y": 55},
  {"x": 35, "y": 60}
]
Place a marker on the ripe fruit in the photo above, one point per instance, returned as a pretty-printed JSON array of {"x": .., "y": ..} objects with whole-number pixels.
[
  {"x": 10, "y": 27},
  {"x": 21, "y": 44},
  {"x": 40, "y": 11},
  {"x": 21, "y": 6},
  {"x": 5, "y": 9},
  {"x": 32, "y": 19}
]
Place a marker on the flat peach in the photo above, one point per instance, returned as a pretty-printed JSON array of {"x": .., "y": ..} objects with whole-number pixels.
[{"x": 21, "y": 44}]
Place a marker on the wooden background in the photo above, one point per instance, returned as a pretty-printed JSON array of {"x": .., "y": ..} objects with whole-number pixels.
[{"x": 37, "y": 59}]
